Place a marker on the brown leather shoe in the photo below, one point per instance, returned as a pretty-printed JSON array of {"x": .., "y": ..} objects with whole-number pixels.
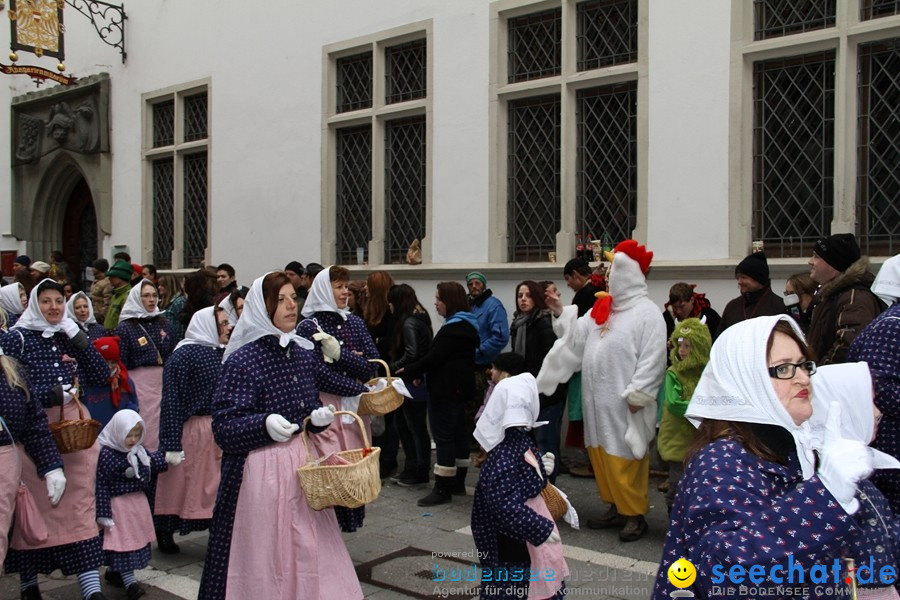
[
  {"x": 611, "y": 518},
  {"x": 635, "y": 528}
]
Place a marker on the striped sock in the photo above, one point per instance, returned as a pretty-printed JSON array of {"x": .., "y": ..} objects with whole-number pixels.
[
  {"x": 24, "y": 584},
  {"x": 89, "y": 582},
  {"x": 128, "y": 578}
]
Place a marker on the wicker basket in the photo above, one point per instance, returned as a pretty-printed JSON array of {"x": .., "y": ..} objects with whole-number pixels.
[
  {"x": 74, "y": 434},
  {"x": 351, "y": 485},
  {"x": 555, "y": 503},
  {"x": 383, "y": 401}
]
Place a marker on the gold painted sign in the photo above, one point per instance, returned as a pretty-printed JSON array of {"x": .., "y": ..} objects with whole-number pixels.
[{"x": 37, "y": 26}]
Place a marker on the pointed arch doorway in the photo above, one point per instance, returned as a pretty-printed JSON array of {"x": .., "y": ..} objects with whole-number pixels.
[{"x": 79, "y": 230}]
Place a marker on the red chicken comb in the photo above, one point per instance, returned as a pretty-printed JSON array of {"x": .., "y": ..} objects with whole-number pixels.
[{"x": 638, "y": 252}]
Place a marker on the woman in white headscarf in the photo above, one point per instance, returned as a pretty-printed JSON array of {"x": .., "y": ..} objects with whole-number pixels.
[
  {"x": 145, "y": 342},
  {"x": 13, "y": 301},
  {"x": 265, "y": 541},
  {"x": 751, "y": 493},
  {"x": 55, "y": 355},
  {"x": 185, "y": 496},
  {"x": 80, "y": 310},
  {"x": 843, "y": 393}
]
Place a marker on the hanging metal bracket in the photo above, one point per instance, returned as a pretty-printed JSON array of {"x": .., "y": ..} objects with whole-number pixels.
[{"x": 107, "y": 19}]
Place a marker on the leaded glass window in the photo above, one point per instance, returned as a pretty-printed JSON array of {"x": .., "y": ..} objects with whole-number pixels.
[
  {"x": 776, "y": 18},
  {"x": 195, "y": 209},
  {"x": 164, "y": 123},
  {"x": 793, "y": 152},
  {"x": 607, "y": 33},
  {"x": 354, "y": 192},
  {"x": 354, "y": 82},
  {"x": 533, "y": 171},
  {"x": 607, "y": 161},
  {"x": 878, "y": 154},
  {"x": 404, "y": 186},
  {"x": 163, "y": 184},
  {"x": 404, "y": 76},
  {"x": 195, "y": 126},
  {"x": 535, "y": 46},
  {"x": 874, "y": 9}
]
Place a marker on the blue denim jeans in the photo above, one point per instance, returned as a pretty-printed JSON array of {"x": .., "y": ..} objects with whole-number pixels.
[{"x": 547, "y": 437}]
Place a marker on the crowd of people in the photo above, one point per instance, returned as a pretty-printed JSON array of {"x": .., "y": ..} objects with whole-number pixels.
[{"x": 203, "y": 387}]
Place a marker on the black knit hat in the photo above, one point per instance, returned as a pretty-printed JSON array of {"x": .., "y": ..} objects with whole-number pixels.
[
  {"x": 23, "y": 260},
  {"x": 839, "y": 250},
  {"x": 295, "y": 267},
  {"x": 510, "y": 362},
  {"x": 755, "y": 267}
]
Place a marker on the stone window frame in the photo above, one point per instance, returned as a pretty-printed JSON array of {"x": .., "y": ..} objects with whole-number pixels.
[
  {"x": 377, "y": 116},
  {"x": 179, "y": 150}
]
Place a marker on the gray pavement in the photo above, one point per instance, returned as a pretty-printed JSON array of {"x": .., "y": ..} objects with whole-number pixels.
[{"x": 398, "y": 549}]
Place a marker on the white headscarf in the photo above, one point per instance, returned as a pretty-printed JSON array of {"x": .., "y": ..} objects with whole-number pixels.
[
  {"x": 228, "y": 306},
  {"x": 321, "y": 297},
  {"x": 255, "y": 323},
  {"x": 850, "y": 385},
  {"x": 34, "y": 320},
  {"x": 10, "y": 300},
  {"x": 202, "y": 330},
  {"x": 134, "y": 308},
  {"x": 513, "y": 403},
  {"x": 70, "y": 308},
  {"x": 114, "y": 434},
  {"x": 887, "y": 283},
  {"x": 735, "y": 385}
]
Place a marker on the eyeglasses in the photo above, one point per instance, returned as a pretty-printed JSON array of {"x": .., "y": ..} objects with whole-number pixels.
[{"x": 788, "y": 370}]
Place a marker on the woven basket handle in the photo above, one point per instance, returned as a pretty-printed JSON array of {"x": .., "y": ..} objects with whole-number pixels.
[
  {"x": 75, "y": 399},
  {"x": 359, "y": 422},
  {"x": 387, "y": 369}
]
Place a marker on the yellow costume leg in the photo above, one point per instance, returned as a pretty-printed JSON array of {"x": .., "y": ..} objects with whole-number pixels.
[{"x": 622, "y": 481}]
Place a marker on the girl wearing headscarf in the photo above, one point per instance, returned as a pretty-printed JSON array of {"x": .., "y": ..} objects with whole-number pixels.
[
  {"x": 751, "y": 493},
  {"x": 343, "y": 344},
  {"x": 54, "y": 355},
  {"x": 124, "y": 472},
  {"x": 265, "y": 541},
  {"x": 511, "y": 523},
  {"x": 145, "y": 342},
  {"x": 185, "y": 496},
  {"x": 879, "y": 346},
  {"x": 80, "y": 310},
  {"x": 847, "y": 390},
  {"x": 118, "y": 390},
  {"x": 13, "y": 301}
]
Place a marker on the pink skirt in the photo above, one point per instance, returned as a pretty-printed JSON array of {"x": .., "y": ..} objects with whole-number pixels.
[
  {"x": 148, "y": 388},
  {"x": 280, "y": 547},
  {"x": 74, "y": 518},
  {"x": 340, "y": 436},
  {"x": 9, "y": 484},
  {"x": 189, "y": 490},
  {"x": 134, "y": 524},
  {"x": 547, "y": 559},
  {"x": 882, "y": 593}
]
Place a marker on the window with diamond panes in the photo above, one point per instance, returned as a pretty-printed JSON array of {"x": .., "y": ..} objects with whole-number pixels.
[
  {"x": 793, "y": 152},
  {"x": 195, "y": 209},
  {"x": 354, "y": 192},
  {"x": 404, "y": 77},
  {"x": 534, "y": 46},
  {"x": 874, "y": 9},
  {"x": 606, "y": 172},
  {"x": 164, "y": 123},
  {"x": 163, "y": 208},
  {"x": 533, "y": 187},
  {"x": 607, "y": 33},
  {"x": 776, "y": 18},
  {"x": 878, "y": 154},
  {"x": 404, "y": 186},
  {"x": 195, "y": 117},
  {"x": 354, "y": 82}
]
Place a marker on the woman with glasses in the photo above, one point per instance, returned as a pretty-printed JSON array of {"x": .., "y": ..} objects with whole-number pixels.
[{"x": 752, "y": 492}]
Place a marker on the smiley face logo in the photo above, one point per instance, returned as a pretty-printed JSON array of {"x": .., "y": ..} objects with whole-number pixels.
[{"x": 682, "y": 573}]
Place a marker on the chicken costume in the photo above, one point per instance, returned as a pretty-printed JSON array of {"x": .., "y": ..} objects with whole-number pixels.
[{"x": 620, "y": 349}]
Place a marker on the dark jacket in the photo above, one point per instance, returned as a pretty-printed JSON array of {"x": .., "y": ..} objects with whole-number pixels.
[
  {"x": 417, "y": 338},
  {"x": 747, "y": 306},
  {"x": 844, "y": 306},
  {"x": 539, "y": 338},
  {"x": 449, "y": 364},
  {"x": 584, "y": 298}
]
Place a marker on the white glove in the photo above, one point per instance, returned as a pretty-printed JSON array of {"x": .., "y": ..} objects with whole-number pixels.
[
  {"x": 68, "y": 393},
  {"x": 549, "y": 461},
  {"x": 331, "y": 348},
  {"x": 322, "y": 417},
  {"x": 843, "y": 462},
  {"x": 70, "y": 327},
  {"x": 174, "y": 458},
  {"x": 553, "y": 538},
  {"x": 56, "y": 485},
  {"x": 104, "y": 522},
  {"x": 279, "y": 428}
]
